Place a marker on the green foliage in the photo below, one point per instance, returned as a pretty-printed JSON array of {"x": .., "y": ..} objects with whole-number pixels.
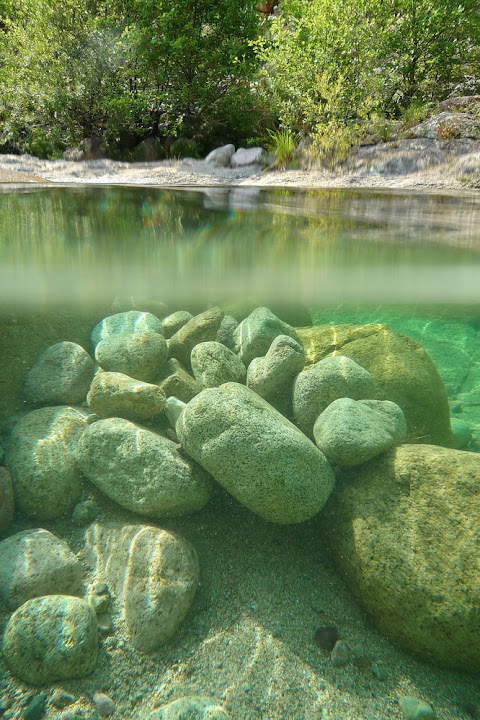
[{"x": 283, "y": 143}]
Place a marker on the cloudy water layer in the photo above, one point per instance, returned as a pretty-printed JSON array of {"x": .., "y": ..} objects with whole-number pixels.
[{"x": 81, "y": 246}]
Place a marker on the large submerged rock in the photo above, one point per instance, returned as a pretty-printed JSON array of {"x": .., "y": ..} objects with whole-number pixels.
[
  {"x": 158, "y": 589},
  {"x": 45, "y": 477},
  {"x": 140, "y": 470},
  {"x": 258, "y": 456},
  {"x": 402, "y": 370},
  {"x": 51, "y": 638},
  {"x": 403, "y": 529}
]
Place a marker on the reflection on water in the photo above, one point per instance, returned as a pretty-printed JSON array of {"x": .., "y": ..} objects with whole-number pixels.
[{"x": 92, "y": 244}]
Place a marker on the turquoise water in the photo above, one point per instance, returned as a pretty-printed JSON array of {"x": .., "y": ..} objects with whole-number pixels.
[{"x": 72, "y": 256}]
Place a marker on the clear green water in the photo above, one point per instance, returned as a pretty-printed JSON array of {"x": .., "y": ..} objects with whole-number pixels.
[{"x": 70, "y": 256}]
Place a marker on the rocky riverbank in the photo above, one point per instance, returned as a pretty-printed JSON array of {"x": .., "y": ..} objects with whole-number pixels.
[{"x": 407, "y": 164}]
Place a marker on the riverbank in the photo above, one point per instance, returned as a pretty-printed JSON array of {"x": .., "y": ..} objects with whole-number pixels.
[{"x": 406, "y": 164}]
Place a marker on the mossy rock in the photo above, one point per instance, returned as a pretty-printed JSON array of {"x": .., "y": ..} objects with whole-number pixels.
[{"x": 403, "y": 372}]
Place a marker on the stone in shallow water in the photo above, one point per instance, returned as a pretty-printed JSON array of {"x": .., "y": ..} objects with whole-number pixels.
[
  {"x": 113, "y": 394},
  {"x": 272, "y": 375},
  {"x": 141, "y": 355},
  {"x": 153, "y": 574},
  {"x": 45, "y": 476},
  {"x": 255, "y": 453},
  {"x": 403, "y": 529},
  {"x": 172, "y": 323},
  {"x": 140, "y": 470},
  {"x": 402, "y": 370},
  {"x": 131, "y": 321},
  {"x": 51, "y": 638},
  {"x": 34, "y": 563},
  {"x": 61, "y": 375},
  {"x": 255, "y": 334},
  {"x": 194, "y": 707},
  {"x": 214, "y": 364},
  {"x": 350, "y": 432},
  {"x": 201, "y": 328},
  {"x": 414, "y": 709},
  {"x": 325, "y": 381}
]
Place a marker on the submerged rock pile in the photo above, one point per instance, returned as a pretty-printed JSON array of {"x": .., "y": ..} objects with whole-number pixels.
[{"x": 166, "y": 407}]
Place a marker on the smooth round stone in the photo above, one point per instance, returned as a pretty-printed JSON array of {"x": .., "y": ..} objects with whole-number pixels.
[
  {"x": 414, "y": 709},
  {"x": 272, "y": 375},
  {"x": 7, "y": 501},
  {"x": 350, "y": 432},
  {"x": 35, "y": 563},
  {"x": 201, "y": 328},
  {"x": 131, "y": 321},
  {"x": 140, "y": 470},
  {"x": 160, "y": 585},
  {"x": 61, "y": 375},
  {"x": 255, "y": 453},
  {"x": 403, "y": 530},
  {"x": 329, "y": 379},
  {"x": 113, "y": 394},
  {"x": 255, "y": 334},
  {"x": 214, "y": 364},
  {"x": 51, "y": 638},
  {"x": 172, "y": 323},
  {"x": 193, "y": 707},
  {"x": 141, "y": 355},
  {"x": 45, "y": 477}
]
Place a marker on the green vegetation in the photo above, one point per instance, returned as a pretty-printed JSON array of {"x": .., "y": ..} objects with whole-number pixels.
[{"x": 189, "y": 75}]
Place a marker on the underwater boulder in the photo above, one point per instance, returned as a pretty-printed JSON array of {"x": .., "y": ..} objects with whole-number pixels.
[
  {"x": 35, "y": 563},
  {"x": 45, "y": 476},
  {"x": 327, "y": 380},
  {"x": 131, "y": 321},
  {"x": 255, "y": 453},
  {"x": 403, "y": 530},
  {"x": 113, "y": 394},
  {"x": 350, "y": 432},
  {"x": 140, "y": 470},
  {"x": 61, "y": 375},
  {"x": 214, "y": 364},
  {"x": 402, "y": 370},
  {"x": 255, "y": 334},
  {"x": 160, "y": 585},
  {"x": 51, "y": 638},
  {"x": 201, "y": 328},
  {"x": 173, "y": 322},
  {"x": 271, "y": 376},
  {"x": 141, "y": 355}
]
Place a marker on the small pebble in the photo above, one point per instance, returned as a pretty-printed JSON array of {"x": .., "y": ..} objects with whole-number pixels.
[
  {"x": 104, "y": 705},
  {"x": 100, "y": 603},
  {"x": 60, "y": 699},
  {"x": 326, "y": 637},
  {"x": 72, "y": 715},
  {"x": 380, "y": 672},
  {"x": 36, "y": 708},
  {"x": 414, "y": 709},
  {"x": 340, "y": 654}
]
